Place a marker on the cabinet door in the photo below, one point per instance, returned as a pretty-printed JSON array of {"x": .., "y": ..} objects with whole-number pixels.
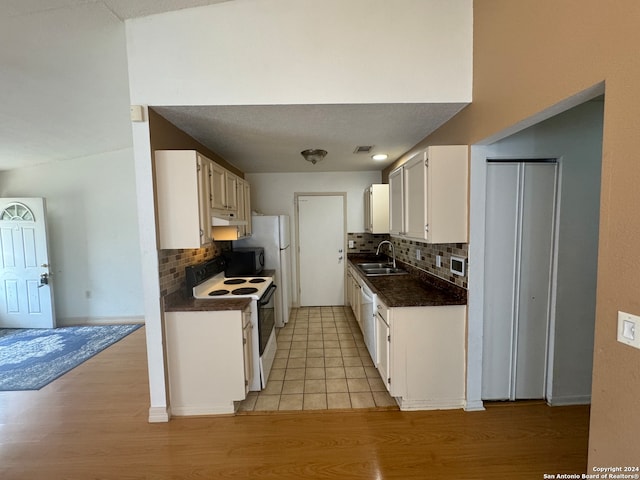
[
  {"x": 383, "y": 340},
  {"x": 396, "y": 202},
  {"x": 446, "y": 198},
  {"x": 242, "y": 229},
  {"x": 415, "y": 184},
  {"x": 247, "y": 208},
  {"x": 178, "y": 181},
  {"x": 204, "y": 197},
  {"x": 247, "y": 335},
  {"x": 231, "y": 190},
  {"x": 379, "y": 208},
  {"x": 368, "y": 217},
  {"x": 218, "y": 187}
]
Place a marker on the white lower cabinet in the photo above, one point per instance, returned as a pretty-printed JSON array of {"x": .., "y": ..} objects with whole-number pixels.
[
  {"x": 427, "y": 357},
  {"x": 420, "y": 354},
  {"x": 353, "y": 293},
  {"x": 206, "y": 358}
]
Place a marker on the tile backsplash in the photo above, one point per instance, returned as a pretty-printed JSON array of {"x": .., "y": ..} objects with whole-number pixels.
[
  {"x": 171, "y": 264},
  {"x": 406, "y": 253},
  {"x": 365, "y": 242}
]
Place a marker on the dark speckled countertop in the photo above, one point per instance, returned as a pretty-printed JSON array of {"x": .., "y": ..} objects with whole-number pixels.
[
  {"x": 418, "y": 289},
  {"x": 179, "y": 302}
]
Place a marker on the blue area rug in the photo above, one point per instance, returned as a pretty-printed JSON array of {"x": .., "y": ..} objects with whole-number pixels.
[{"x": 32, "y": 358}]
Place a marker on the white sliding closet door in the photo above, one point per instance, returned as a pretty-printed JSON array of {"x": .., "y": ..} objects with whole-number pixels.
[{"x": 520, "y": 222}]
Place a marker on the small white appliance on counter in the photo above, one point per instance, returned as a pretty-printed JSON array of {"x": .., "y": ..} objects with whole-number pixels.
[{"x": 273, "y": 234}]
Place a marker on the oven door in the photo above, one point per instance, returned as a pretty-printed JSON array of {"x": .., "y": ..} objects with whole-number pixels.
[{"x": 266, "y": 317}]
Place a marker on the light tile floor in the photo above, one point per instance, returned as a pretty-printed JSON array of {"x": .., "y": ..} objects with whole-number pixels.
[{"x": 321, "y": 363}]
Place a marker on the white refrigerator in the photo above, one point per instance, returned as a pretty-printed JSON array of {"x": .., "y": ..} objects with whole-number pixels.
[{"x": 272, "y": 233}]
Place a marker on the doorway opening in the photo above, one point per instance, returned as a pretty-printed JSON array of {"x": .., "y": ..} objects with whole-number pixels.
[
  {"x": 574, "y": 138},
  {"x": 519, "y": 277}
]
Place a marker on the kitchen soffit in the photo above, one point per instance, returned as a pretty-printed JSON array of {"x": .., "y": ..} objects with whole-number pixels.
[{"x": 269, "y": 138}]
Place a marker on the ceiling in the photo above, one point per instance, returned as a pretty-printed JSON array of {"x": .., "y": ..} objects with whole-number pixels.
[
  {"x": 122, "y": 8},
  {"x": 65, "y": 95},
  {"x": 269, "y": 138}
]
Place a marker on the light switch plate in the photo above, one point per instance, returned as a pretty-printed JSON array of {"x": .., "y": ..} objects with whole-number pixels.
[{"x": 629, "y": 329}]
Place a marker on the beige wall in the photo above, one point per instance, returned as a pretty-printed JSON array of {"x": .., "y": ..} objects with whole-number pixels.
[{"x": 528, "y": 56}]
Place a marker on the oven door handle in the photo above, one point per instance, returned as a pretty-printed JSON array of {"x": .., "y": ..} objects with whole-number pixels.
[{"x": 266, "y": 298}]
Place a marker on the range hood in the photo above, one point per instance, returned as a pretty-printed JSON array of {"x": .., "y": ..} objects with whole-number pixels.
[{"x": 227, "y": 220}]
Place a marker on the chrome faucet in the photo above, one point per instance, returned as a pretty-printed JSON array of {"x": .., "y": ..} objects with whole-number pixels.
[{"x": 393, "y": 250}]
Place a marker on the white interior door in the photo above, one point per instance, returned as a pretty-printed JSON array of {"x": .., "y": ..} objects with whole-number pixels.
[
  {"x": 26, "y": 295},
  {"x": 536, "y": 255},
  {"x": 520, "y": 221},
  {"x": 500, "y": 271},
  {"x": 321, "y": 249}
]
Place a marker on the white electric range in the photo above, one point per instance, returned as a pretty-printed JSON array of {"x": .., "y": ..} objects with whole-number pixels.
[{"x": 207, "y": 281}]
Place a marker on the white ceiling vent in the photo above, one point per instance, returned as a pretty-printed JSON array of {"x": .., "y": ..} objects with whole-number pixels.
[{"x": 363, "y": 149}]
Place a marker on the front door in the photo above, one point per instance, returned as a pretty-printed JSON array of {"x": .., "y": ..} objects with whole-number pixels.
[
  {"x": 26, "y": 295},
  {"x": 321, "y": 247}
]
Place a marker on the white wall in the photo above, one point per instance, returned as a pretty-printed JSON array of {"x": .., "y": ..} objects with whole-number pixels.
[
  {"x": 273, "y": 193},
  {"x": 260, "y": 52},
  {"x": 255, "y": 52},
  {"x": 576, "y": 138},
  {"x": 93, "y": 233}
]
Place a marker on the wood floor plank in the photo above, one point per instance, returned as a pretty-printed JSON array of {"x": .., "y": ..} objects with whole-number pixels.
[{"x": 92, "y": 423}]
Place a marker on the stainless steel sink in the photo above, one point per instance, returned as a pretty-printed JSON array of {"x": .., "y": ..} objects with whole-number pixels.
[
  {"x": 377, "y": 271},
  {"x": 368, "y": 266}
]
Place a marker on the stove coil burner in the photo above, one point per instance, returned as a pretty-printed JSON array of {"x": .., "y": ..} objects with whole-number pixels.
[
  {"x": 257, "y": 280},
  {"x": 234, "y": 281},
  {"x": 244, "y": 291},
  {"x": 216, "y": 293}
]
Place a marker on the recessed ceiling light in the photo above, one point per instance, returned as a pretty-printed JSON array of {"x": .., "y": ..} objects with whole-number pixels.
[{"x": 380, "y": 156}]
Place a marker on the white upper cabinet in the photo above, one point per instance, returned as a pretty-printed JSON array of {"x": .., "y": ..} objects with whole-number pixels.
[
  {"x": 231, "y": 191},
  {"x": 396, "y": 202},
  {"x": 243, "y": 195},
  {"x": 224, "y": 195},
  {"x": 428, "y": 196},
  {"x": 218, "y": 187},
  {"x": 376, "y": 208},
  {"x": 182, "y": 191}
]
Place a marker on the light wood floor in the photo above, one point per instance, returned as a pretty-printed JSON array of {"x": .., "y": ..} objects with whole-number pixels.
[{"x": 92, "y": 424}]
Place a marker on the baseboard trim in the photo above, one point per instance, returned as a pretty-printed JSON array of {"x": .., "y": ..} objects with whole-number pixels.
[
  {"x": 440, "y": 404},
  {"x": 78, "y": 321},
  {"x": 475, "y": 406},
  {"x": 159, "y": 414},
  {"x": 570, "y": 400},
  {"x": 203, "y": 410}
]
